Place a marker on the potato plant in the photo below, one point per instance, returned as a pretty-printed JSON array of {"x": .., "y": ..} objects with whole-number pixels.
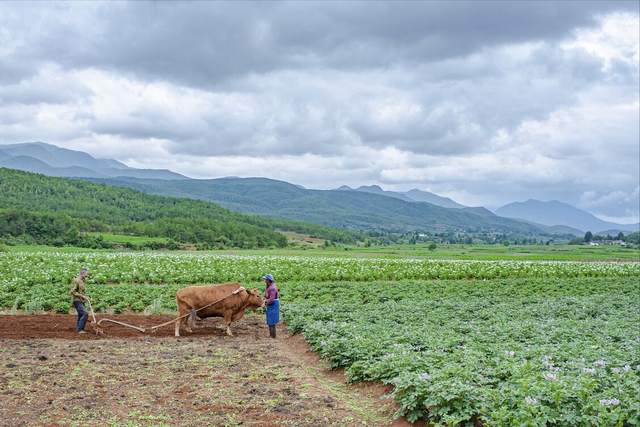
[
  {"x": 540, "y": 352},
  {"x": 177, "y": 268}
]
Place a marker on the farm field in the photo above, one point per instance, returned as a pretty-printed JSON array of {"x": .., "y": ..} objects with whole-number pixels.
[
  {"x": 452, "y": 252},
  {"x": 552, "y": 352},
  {"x": 454, "y": 342},
  {"x": 515, "y": 252},
  {"x": 51, "y": 376}
]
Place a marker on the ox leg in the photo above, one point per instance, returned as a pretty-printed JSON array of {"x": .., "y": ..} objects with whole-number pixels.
[
  {"x": 229, "y": 319},
  {"x": 229, "y": 332},
  {"x": 184, "y": 321},
  {"x": 188, "y": 324}
]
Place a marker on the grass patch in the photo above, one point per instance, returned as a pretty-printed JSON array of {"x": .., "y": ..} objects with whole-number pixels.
[{"x": 135, "y": 240}]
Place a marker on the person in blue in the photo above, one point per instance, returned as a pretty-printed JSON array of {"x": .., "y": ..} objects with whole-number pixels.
[{"x": 272, "y": 303}]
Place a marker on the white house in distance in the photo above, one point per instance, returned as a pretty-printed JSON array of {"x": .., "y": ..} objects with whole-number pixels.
[{"x": 606, "y": 242}]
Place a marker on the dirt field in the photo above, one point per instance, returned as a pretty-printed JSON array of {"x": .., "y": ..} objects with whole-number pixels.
[{"x": 51, "y": 376}]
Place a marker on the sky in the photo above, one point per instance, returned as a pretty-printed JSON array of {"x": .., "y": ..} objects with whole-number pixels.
[{"x": 485, "y": 102}]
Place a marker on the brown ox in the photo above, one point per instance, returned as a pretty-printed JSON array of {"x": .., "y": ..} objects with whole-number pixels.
[{"x": 231, "y": 305}]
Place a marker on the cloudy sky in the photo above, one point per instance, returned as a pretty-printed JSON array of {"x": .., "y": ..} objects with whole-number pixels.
[{"x": 486, "y": 102}]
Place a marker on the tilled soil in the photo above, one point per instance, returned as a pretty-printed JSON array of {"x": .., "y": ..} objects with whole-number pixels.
[{"x": 52, "y": 376}]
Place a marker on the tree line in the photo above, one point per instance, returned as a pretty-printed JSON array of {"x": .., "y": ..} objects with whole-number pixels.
[{"x": 632, "y": 238}]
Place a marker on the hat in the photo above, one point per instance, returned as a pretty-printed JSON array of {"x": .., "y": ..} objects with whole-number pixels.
[{"x": 269, "y": 277}]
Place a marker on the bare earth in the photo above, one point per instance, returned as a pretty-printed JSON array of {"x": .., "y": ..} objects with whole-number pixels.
[{"x": 51, "y": 376}]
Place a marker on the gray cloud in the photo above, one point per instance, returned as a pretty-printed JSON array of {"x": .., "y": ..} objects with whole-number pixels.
[
  {"x": 483, "y": 101},
  {"x": 43, "y": 89},
  {"x": 205, "y": 43}
]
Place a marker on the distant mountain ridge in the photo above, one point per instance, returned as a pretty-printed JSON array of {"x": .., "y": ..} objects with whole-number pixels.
[
  {"x": 352, "y": 210},
  {"x": 414, "y": 195},
  {"x": 364, "y": 208},
  {"x": 48, "y": 159},
  {"x": 555, "y": 213}
]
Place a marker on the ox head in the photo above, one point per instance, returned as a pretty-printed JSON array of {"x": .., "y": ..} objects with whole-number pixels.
[{"x": 255, "y": 300}]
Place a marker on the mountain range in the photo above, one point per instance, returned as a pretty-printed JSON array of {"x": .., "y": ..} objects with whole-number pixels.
[
  {"x": 414, "y": 195},
  {"x": 363, "y": 208},
  {"x": 555, "y": 212},
  {"x": 50, "y": 160},
  {"x": 352, "y": 210}
]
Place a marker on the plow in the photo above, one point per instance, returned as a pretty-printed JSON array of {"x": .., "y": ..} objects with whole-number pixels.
[{"x": 94, "y": 324}]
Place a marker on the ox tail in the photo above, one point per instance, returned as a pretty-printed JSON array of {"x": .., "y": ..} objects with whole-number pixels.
[{"x": 192, "y": 317}]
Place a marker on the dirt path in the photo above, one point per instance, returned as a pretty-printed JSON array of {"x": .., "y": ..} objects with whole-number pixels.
[{"x": 51, "y": 376}]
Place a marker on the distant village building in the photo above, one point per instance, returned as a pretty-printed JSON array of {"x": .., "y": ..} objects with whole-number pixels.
[{"x": 606, "y": 242}]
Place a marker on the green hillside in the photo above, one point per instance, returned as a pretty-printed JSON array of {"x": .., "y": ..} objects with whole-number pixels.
[
  {"x": 353, "y": 210},
  {"x": 36, "y": 209}
]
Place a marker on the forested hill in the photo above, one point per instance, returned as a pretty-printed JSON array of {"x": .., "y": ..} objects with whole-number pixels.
[
  {"x": 44, "y": 210},
  {"x": 352, "y": 210}
]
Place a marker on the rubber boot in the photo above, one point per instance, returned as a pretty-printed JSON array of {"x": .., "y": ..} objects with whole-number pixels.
[{"x": 272, "y": 331}]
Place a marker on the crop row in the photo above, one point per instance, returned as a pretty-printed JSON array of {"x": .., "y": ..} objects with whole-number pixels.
[
  {"x": 561, "y": 352},
  {"x": 161, "y": 268}
]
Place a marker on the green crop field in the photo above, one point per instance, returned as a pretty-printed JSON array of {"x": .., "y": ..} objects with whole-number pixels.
[
  {"x": 460, "y": 252},
  {"x": 500, "y": 252},
  {"x": 499, "y": 342},
  {"x": 508, "y": 352}
]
